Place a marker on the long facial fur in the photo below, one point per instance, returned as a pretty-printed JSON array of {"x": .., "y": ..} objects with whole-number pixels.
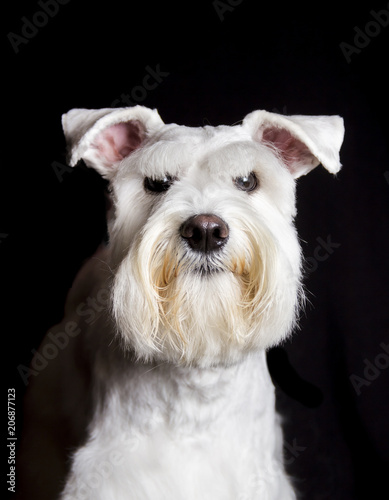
[{"x": 174, "y": 304}]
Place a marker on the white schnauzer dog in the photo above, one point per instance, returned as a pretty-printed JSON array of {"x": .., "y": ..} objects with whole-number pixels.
[{"x": 158, "y": 387}]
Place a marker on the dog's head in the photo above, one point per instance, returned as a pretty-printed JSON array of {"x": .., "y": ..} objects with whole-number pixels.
[{"x": 206, "y": 261}]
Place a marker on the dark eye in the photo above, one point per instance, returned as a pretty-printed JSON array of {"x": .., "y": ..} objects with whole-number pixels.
[
  {"x": 158, "y": 185},
  {"x": 246, "y": 183}
]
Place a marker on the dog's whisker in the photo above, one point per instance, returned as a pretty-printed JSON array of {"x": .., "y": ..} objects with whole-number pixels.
[{"x": 153, "y": 368}]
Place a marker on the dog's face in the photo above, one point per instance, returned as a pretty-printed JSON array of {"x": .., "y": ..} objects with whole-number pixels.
[{"x": 205, "y": 256}]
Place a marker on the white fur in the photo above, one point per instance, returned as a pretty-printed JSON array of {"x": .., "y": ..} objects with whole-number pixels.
[
  {"x": 176, "y": 432},
  {"x": 181, "y": 402},
  {"x": 259, "y": 229}
]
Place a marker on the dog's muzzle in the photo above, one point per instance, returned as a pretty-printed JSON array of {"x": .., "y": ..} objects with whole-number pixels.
[{"x": 205, "y": 233}]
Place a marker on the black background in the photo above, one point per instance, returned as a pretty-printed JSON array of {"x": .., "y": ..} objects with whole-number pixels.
[{"x": 220, "y": 66}]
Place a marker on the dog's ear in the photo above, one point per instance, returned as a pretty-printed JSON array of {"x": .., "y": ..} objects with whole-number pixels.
[
  {"x": 103, "y": 137},
  {"x": 302, "y": 142}
]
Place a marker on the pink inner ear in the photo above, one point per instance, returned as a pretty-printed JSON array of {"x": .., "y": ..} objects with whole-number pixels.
[
  {"x": 293, "y": 152},
  {"x": 118, "y": 141}
]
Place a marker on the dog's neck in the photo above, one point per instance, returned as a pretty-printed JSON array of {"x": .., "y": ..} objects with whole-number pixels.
[
  {"x": 182, "y": 416},
  {"x": 186, "y": 396}
]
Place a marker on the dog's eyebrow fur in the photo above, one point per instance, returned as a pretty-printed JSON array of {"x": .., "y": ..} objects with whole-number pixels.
[
  {"x": 163, "y": 157},
  {"x": 175, "y": 158}
]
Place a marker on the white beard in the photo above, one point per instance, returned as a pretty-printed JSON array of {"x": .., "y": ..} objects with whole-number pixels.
[{"x": 173, "y": 304}]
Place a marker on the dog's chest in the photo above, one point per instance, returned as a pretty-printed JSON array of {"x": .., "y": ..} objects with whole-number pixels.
[{"x": 180, "y": 433}]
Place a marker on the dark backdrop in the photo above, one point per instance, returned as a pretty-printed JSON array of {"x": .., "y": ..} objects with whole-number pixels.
[{"x": 214, "y": 62}]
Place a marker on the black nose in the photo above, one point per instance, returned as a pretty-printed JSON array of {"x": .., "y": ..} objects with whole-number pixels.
[{"x": 205, "y": 233}]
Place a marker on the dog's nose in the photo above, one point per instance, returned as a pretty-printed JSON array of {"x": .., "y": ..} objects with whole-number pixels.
[{"x": 205, "y": 233}]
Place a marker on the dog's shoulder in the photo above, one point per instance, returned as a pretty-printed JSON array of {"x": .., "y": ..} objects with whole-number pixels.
[{"x": 93, "y": 274}]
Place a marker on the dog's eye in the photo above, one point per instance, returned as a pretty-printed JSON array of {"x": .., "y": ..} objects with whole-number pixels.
[
  {"x": 158, "y": 185},
  {"x": 246, "y": 183}
]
